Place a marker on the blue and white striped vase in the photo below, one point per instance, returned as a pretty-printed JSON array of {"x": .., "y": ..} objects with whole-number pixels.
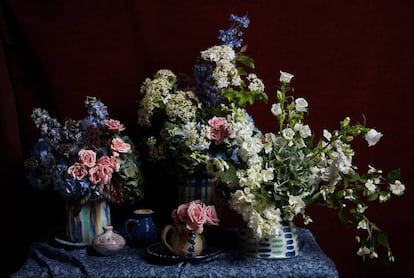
[
  {"x": 197, "y": 186},
  {"x": 85, "y": 221},
  {"x": 282, "y": 247}
]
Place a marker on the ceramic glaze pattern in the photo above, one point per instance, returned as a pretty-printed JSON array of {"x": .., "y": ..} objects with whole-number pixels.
[
  {"x": 140, "y": 229},
  {"x": 196, "y": 188},
  {"x": 85, "y": 222},
  {"x": 191, "y": 247},
  {"x": 284, "y": 246},
  {"x": 181, "y": 241},
  {"x": 109, "y": 242}
]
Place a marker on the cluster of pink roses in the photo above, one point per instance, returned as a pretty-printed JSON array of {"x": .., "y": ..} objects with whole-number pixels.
[
  {"x": 195, "y": 214},
  {"x": 86, "y": 159},
  {"x": 100, "y": 170}
]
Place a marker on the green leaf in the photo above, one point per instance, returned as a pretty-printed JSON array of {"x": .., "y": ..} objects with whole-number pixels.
[
  {"x": 241, "y": 71},
  {"x": 355, "y": 177},
  {"x": 342, "y": 215},
  {"x": 244, "y": 48},
  {"x": 339, "y": 195},
  {"x": 372, "y": 197},
  {"x": 394, "y": 175},
  {"x": 247, "y": 61},
  {"x": 382, "y": 239},
  {"x": 230, "y": 174}
]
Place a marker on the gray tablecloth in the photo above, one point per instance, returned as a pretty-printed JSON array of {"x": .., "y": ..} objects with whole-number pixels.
[{"x": 49, "y": 260}]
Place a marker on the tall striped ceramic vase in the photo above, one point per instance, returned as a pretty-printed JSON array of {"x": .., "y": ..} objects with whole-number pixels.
[
  {"x": 197, "y": 187},
  {"x": 85, "y": 221}
]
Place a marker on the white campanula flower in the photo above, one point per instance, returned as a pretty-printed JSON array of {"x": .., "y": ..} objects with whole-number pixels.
[
  {"x": 304, "y": 130},
  {"x": 372, "y": 137},
  {"x": 301, "y": 105},
  {"x": 250, "y": 147},
  {"x": 300, "y": 143},
  {"x": 285, "y": 77},
  {"x": 276, "y": 109},
  {"x": 288, "y": 133}
]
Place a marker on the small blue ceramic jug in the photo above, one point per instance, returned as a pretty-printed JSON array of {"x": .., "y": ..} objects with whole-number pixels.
[{"x": 140, "y": 229}]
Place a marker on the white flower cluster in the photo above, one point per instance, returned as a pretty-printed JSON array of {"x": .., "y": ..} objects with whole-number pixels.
[
  {"x": 156, "y": 93},
  {"x": 225, "y": 73}
]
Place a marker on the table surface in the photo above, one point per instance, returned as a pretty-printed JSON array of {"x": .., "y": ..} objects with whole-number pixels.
[{"x": 46, "y": 259}]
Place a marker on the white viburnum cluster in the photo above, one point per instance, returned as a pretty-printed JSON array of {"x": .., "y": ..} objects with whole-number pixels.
[
  {"x": 225, "y": 73},
  {"x": 179, "y": 130},
  {"x": 156, "y": 93}
]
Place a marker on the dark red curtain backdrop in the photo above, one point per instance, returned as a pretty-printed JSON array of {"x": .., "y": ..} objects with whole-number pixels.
[{"x": 349, "y": 58}]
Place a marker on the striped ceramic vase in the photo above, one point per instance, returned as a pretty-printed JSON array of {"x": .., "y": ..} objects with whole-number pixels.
[
  {"x": 284, "y": 246},
  {"x": 85, "y": 221},
  {"x": 197, "y": 187}
]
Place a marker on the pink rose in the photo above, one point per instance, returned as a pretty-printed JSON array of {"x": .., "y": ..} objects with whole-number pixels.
[
  {"x": 78, "y": 171},
  {"x": 87, "y": 157},
  {"x": 115, "y": 163},
  {"x": 100, "y": 174},
  {"x": 196, "y": 217},
  {"x": 220, "y": 129},
  {"x": 180, "y": 214},
  {"x": 211, "y": 216},
  {"x": 104, "y": 160},
  {"x": 119, "y": 146},
  {"x": 112, "y": 162},
  {"x": 114, "y": 125}
]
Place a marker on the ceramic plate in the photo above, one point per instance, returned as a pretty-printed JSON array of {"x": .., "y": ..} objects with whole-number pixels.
[
  {"x": 65, "y": 242},
  {"x": 159, "y": 252}
]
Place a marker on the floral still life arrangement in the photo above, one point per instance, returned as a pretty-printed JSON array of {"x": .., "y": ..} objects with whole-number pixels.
[
  {"x": 269, "y": 179},
  {"x": 276, "y": 178},
  {"x": 195, "y": 215},
  {"x": 202, "y": 114},
  {"x": 88, "y": 159}
]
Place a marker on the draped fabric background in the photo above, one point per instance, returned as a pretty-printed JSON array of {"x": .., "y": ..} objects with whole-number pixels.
[{"x": 349, "y": 58}]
